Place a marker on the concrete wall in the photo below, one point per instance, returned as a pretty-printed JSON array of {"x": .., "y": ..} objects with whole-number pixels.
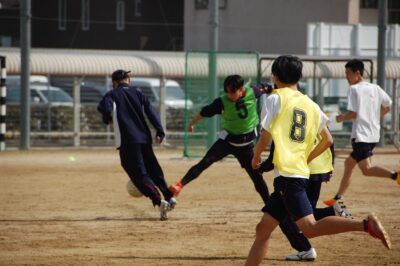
[{"x": 267, "y": 26}]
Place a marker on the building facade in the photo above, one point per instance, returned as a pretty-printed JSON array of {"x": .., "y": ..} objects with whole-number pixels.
[
  {"x": 267, "y": 26},
  {"x": 274, "y": 26},
  {"x": 90, "y": 24}
]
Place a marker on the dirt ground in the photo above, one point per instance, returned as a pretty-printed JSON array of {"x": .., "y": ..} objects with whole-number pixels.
[{"x": 56, "y": 210}]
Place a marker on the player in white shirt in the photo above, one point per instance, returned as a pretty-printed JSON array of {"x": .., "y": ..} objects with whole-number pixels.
[{"x": 367, "y": 103}]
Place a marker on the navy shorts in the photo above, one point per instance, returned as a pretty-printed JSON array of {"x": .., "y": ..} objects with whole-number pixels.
[
  {"x": 361, "y": 150},
  {"x": 326, "y": 177},
  {"x": 289, "y": 197}
]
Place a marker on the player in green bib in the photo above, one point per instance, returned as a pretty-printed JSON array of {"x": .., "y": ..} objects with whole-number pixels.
[{"x": 238, "y": 108}]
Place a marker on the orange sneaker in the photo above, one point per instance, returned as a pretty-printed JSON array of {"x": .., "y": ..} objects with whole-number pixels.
[
  {"x": 398, "y": 177},
  {"x": 175, "y": 190},
  {"x": 376, "y": 230},
  {"x": 330, "y": 202}
]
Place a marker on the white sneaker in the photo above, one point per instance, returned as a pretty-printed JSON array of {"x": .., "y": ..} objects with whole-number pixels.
[
  {"x": 341, "y": 210},
  {"x": 164, "y": 206},
  {"x": 172, "y": 203},
  {"x": 303, "y": 255}
]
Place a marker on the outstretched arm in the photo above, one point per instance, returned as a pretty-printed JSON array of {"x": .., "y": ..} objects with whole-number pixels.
[
  {"x": 195, "y": 119},
  {"x": 344, "y": 117}
]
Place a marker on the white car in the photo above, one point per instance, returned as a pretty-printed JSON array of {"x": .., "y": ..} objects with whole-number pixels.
[
  {"x": 40, "y": 92},
  {"x": 174, "y": 97}
]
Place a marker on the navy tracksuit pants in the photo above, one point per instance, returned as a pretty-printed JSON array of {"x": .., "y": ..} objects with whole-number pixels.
[{"x": 142, "y": 167}]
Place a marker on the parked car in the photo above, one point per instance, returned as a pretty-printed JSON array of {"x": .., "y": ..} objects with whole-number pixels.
[
  {"x": 90, "y": 92},
  {"x": 174, "y": 97},
  {"x": 40, "y": 92}
]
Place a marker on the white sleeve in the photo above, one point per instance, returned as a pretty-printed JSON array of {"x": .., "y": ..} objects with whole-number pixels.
[
  {"x": 386, "y": 101},
  {"x": 117, "y": 133},
  {"x": 323, "y": 121},
  {"x": 352, "y": 104},
  {"x": 271, "y": 110}
]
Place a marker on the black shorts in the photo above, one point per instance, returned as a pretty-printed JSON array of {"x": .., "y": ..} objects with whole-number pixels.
[
  {"x": 325, "y": 177},
  {"x": 289, "y": 197},
  {"x": 361, "y": 150}
]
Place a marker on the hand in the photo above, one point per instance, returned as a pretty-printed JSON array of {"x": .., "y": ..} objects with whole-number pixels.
[
  {"x": 159, "y": 137},
  {"x": 190, "y": 127},
  {"x": 255, "y": 162},
  {"x": 339, "y": 118}
]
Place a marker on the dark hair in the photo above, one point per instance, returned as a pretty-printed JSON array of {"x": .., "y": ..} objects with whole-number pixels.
[
  {"x": 119, "y": 75},
  {"x": 354, "y": 65},
  {"x": 287, "y": 68},
  {"x": 233, "y": 83}
]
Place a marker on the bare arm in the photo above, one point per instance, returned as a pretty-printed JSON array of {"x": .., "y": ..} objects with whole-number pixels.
[
  {"x": 344, "y": 117},
  {"x": 195, "y": 119},
  {"x": 262, "y": 143},
  {"x": 385, "y": 110},
  {"x": 324, "y": 144}
]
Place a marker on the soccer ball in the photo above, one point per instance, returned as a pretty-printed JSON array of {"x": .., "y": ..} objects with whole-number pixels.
[{"x": 132, "y": 190}]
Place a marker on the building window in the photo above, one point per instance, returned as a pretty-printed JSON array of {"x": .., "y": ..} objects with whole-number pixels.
[
  {"x": 138, "y": 13},
  {"x": 203, "y": 4},
  {"x": 394, "y": 12},
  {"x": 369, "y": 3},
  {"x": 85, "y": 15},
  {"x": 62, "y": 15},
  {"x": 120, "y": 15}
]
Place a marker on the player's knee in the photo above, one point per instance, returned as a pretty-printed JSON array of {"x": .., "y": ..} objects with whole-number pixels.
[
  {"x": 365, "y": 171},
  {"x": 308, "y": 230},
  {"x": 309, "y": 233}
]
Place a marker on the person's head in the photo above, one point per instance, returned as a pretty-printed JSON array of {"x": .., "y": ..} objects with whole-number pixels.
[
  {"x": 120, "y": 76},
  {"x": 233, "y": 87},
  {"x": 286, "y": 70},
  {"x": 354, "y": 71}
]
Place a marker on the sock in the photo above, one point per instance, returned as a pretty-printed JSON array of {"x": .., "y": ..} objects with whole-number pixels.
[
  {"x": 338, "y": 196},
  {"x": 393, "y": 175},
  {"x": 365, "y": 223},
  {"x": 179, "y": 184}
]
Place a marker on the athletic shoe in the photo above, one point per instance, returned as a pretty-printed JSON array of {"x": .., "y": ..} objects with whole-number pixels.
[
  {"x": 376, "y": 230},
  {"x": 175, "y": 190},
  {"x": 398, "y": 177},
  {"x": 172, "y": 203},
  {"x": 341, "y": 210},
  {"x": 303, "y": 255},
  {"x": 330, "y": 202},
  {"x": 164, "y": 205}
]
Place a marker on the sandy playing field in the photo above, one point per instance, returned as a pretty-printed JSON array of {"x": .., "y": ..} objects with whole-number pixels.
[{"x": 56, "y": 210}]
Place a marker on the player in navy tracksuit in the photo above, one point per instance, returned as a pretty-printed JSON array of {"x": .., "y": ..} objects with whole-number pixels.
[{"x": 134, "y": 140}]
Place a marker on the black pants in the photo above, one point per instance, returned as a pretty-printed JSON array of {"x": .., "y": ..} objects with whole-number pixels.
[
  {"x": 221, "y": 149},
  {"x": 142, "y": 167}
]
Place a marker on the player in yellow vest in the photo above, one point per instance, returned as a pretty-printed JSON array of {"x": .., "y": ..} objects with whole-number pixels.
[
  {"x": 320, "y": 171},
  {"x": 293, "y": 121}
]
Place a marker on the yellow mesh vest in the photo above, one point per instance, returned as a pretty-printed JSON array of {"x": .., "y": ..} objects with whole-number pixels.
[
  {"x": 294, "y": 131},
  {"x": 323, "y": 163}
]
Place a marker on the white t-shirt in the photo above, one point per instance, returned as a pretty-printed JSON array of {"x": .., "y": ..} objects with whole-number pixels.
[
  {"x": 117, "y": 133},
  {"x": 270, "y": 110},
  {"x": 366, "y": 99}
]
